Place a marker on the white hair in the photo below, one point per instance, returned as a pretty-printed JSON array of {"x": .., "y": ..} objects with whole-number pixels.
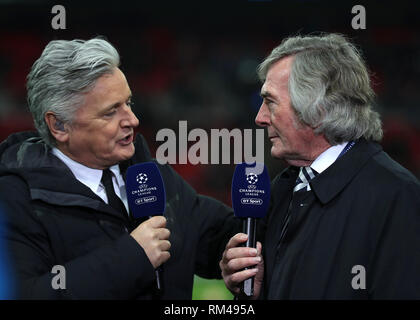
[
  {"x": 329, "y": 87},
  {"x": 64, "y": 72}
]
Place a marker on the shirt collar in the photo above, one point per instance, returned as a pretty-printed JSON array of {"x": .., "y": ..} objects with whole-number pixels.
[
  {"x": 88, "y": 176},
  {"x": 328, "y": 157}
]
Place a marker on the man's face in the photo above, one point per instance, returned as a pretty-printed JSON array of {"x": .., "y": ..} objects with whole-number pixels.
[
  {"x": 291, "y": 140},
  {"x": 102, "y": 132}
]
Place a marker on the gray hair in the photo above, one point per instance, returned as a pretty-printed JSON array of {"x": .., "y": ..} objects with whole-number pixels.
[
  {"x": 329, "y": 87},
  {"x": 62, "y": 75}
]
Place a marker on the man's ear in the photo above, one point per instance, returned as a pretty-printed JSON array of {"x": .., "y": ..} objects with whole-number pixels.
[{"x": 57, "y": 128}]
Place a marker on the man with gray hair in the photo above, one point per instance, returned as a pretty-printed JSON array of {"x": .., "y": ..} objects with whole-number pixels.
[
  {"x": 344, "y": 221},
  {"x": 65, "y": 191}
]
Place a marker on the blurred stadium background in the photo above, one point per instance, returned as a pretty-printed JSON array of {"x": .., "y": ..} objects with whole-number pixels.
[{"x": 196, "y": 61}]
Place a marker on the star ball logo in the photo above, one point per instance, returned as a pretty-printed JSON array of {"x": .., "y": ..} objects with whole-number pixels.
[
  {"x": 252, "y": 178},
  {"x": 141, "y": 178}
]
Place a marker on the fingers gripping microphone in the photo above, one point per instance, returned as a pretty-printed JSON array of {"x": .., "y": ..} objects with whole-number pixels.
[
  {"x": 250, "y": 200},
  {"x": 146, "y": 197}
]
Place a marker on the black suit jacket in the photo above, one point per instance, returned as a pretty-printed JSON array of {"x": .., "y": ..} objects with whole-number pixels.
[{"x": 362, "y": 215}]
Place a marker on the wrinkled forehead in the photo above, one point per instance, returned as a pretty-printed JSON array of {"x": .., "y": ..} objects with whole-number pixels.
[{"x": 277, "y": 78}]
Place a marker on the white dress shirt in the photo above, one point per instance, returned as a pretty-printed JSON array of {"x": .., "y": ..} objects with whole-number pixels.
[
  {"x": 328, "y": 157},
  {"x": 92, "y": 177}
]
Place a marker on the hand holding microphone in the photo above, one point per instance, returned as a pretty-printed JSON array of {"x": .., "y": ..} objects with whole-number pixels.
[
  {"x": 153, "y": 238},
  {"x": 250, "y": 201},
  {"x": 147, "y": 198},
  {"x": 240, "y": 263}
]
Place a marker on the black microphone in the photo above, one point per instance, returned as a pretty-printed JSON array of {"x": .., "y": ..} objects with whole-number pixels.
[
  {"x": 146, "y": 197},
  {"x": 250, "y": 201}
]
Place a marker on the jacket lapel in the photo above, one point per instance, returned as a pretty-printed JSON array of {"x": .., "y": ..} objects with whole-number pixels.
[
  {"x": 281, "y": 196},
  {"x": 334, "y": 179}
]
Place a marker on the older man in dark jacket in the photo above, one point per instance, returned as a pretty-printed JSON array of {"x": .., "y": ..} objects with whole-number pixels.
[
  {"x": 344, "y": 221},
  {"x": 59, "y": 216}
]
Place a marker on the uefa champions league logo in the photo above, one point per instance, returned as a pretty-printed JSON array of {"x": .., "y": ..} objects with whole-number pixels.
[
  {"x": 144, "y": 192},
  {"x": 252, "y": 178},
  {"x": 141, "y": 178}
]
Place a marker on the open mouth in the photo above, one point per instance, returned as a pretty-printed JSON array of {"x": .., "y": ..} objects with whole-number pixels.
[{"x": 126, "y": 140}]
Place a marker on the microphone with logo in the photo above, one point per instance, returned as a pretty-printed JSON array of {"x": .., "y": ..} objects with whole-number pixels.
[
  {"x": 146, "y": 198},
  {"x": 250, "y": 201}
]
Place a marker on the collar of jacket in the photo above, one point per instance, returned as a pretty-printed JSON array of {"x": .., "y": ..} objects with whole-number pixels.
[
  {"x": 327, "y": 185},
  {"x": 334, "y": 179},
  {"x": 32, "y": 160},
  {"x": 49, "y": 179}
]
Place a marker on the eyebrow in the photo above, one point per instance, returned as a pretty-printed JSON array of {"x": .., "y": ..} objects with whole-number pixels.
[
  {"x": 266, "y": 94},
  {"x": 116, "y": 104}
]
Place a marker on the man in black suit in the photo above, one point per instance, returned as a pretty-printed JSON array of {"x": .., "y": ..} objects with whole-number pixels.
[{"x": 344, "y": 221}]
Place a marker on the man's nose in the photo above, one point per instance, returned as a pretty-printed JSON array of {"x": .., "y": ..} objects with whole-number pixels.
[
  {"x": 131, "y": 120},
  {"x": 263, "y": 116}
]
